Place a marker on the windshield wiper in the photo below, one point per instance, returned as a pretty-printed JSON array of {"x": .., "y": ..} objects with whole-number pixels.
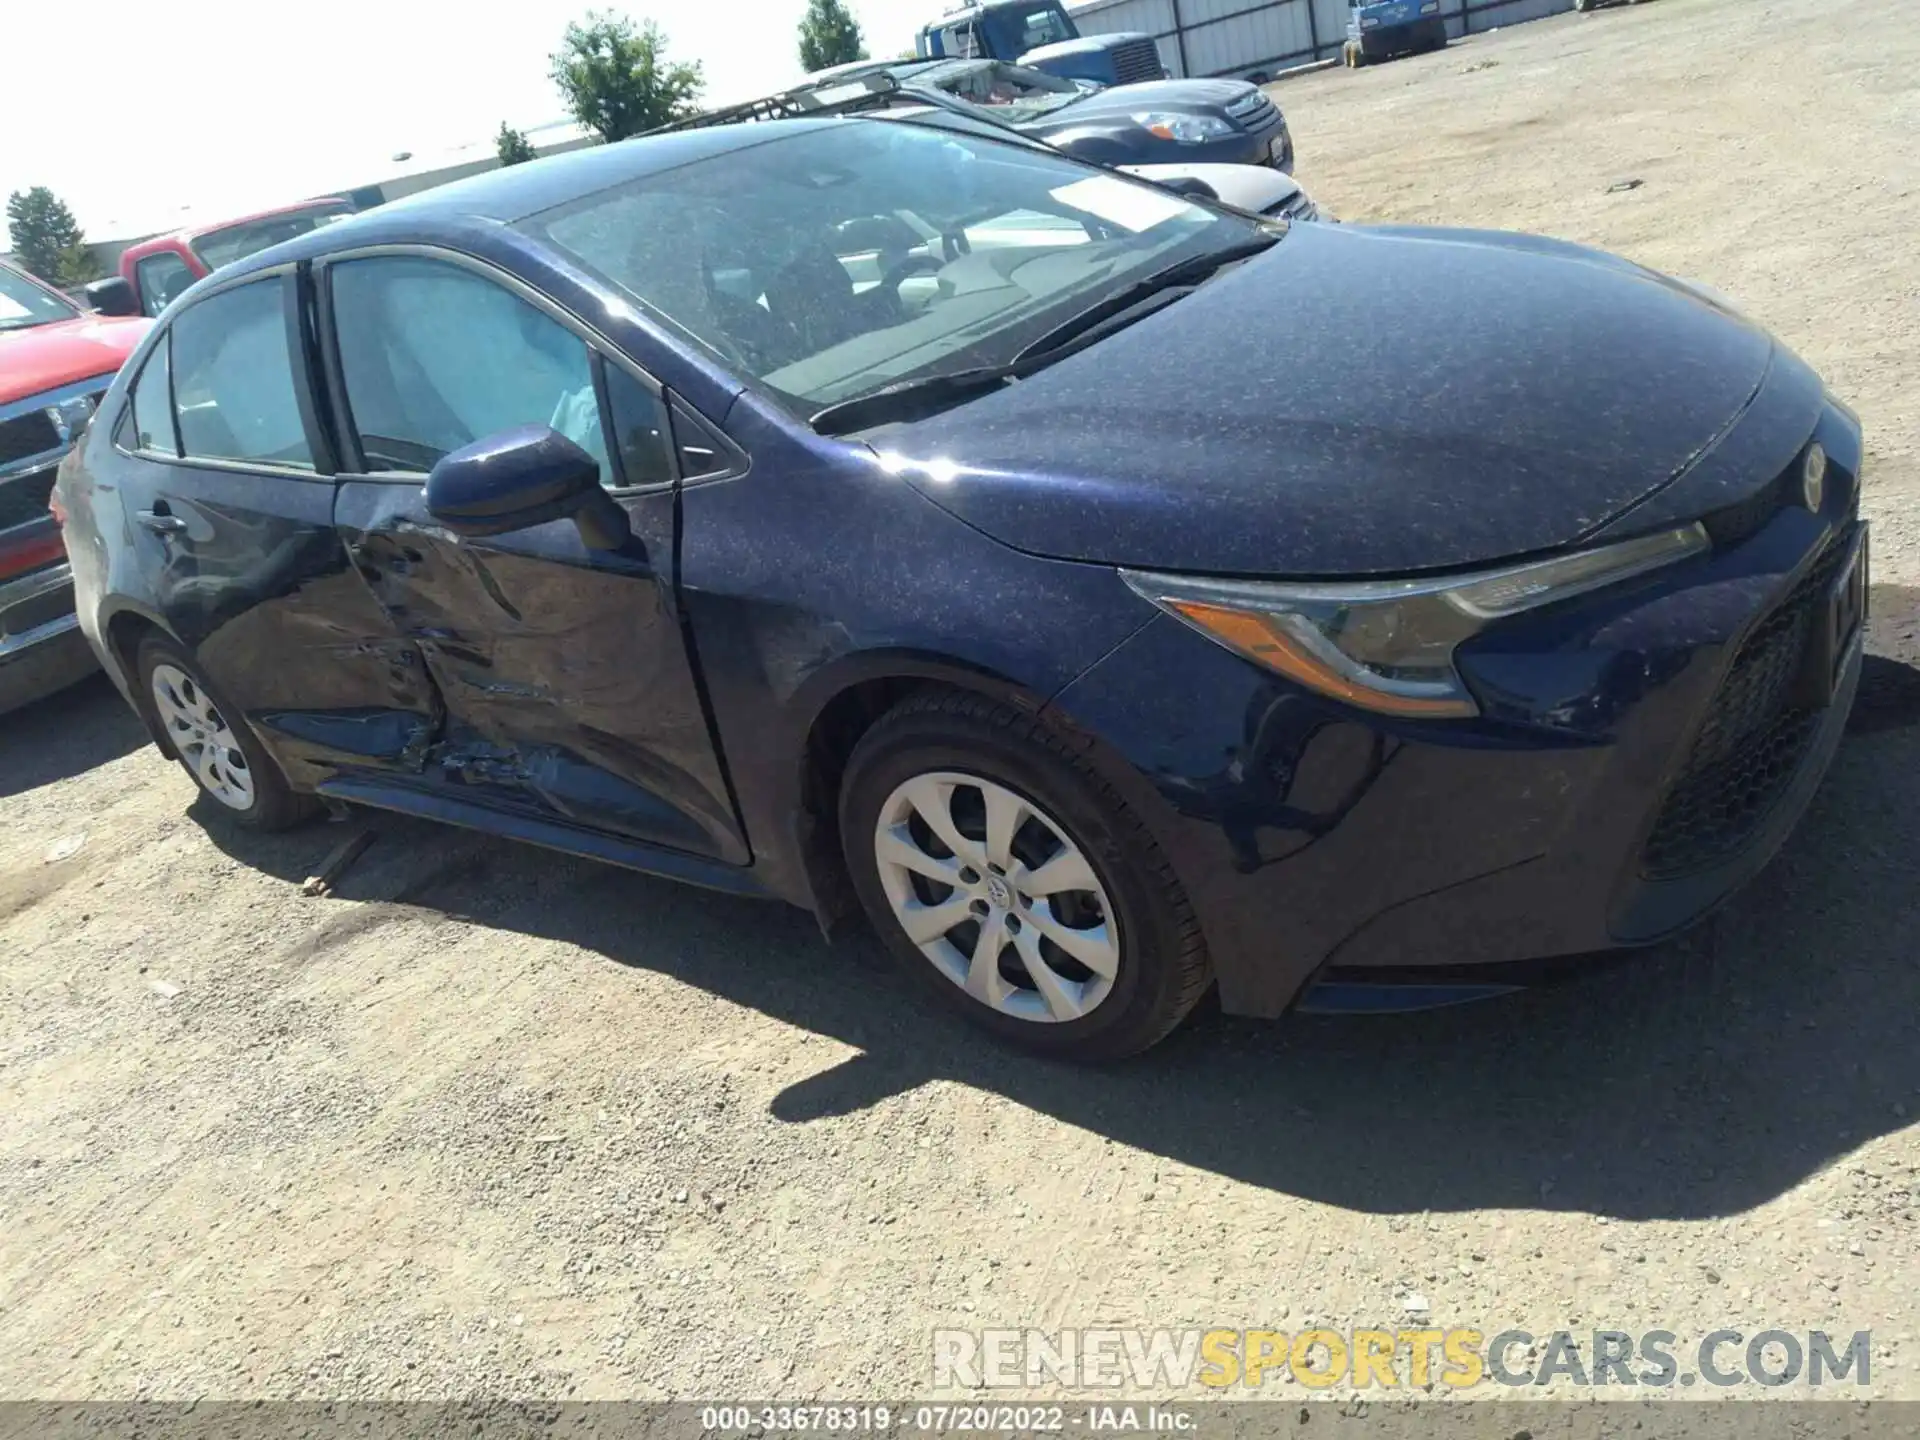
[
  {"x": 1111, "y": 311},
  {"x": 909, "y": 399}
]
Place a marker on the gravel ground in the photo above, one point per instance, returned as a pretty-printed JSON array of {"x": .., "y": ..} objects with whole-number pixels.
[{"x": 492, "y": 1122}]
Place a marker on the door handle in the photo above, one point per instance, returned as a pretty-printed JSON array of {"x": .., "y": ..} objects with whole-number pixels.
[{"x": 160, "y": 522}]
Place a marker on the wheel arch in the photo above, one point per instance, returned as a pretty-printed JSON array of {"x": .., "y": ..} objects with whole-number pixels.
[
  {"x": 123, "y": 626},
  {"x": 833, "y": 710}
]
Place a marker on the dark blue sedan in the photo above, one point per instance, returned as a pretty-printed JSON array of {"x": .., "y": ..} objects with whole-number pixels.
[{"x": 1111, "y": 595}]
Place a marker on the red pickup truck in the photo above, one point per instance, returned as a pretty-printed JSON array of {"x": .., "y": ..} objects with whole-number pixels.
[
  {"x": 56, "y": 361},
  {"x": 156, "y": 270}
]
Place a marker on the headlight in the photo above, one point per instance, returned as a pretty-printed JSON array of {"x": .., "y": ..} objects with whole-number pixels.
[
  {"x": 1186, "y": 129},
  {"x": 69, "y": 415},
  {"x": 1388, "y": 645}
]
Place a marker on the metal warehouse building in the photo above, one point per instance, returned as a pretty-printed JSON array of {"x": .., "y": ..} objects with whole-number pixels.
[{"x": 1240, "y": 37}]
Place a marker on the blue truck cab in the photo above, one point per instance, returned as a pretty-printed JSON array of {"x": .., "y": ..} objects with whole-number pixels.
[
  {"x": 1382, "y": 29},
  {"x": 1040, "y": 34}
]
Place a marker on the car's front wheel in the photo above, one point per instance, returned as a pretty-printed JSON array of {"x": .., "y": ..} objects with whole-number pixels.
[
  {"x": 1006, "y": 874},
  {"x": 214, "y": 744}
]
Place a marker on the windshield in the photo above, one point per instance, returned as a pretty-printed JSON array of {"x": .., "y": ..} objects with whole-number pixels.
[
  {"x": 840, "y": 258},
  {"x": 1008, "y": 93},
  {"x": 1017, "y": 29},
  {"x": 25, "y": 302},
  {"x": 236, "y": 242}
]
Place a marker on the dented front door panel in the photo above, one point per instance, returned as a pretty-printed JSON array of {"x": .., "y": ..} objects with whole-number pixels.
[{"x": 565, "y": 681}]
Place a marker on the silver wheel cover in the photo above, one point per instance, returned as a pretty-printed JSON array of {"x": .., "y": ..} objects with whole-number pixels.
[
  {"x": 203, "y": 737},
  {"x": 998, "y": 896}
]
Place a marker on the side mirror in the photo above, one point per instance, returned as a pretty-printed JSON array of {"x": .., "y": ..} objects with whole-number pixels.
[
  {"x": 112, "y": 296},
  {"x": 520, "y": 478}
]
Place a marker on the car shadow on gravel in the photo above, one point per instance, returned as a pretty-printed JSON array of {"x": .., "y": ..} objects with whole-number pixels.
[
  {"x": 1700, "y": 1079},
  {"x": 66, "y": 734},
  {"x": 1703, "y": 1078}
]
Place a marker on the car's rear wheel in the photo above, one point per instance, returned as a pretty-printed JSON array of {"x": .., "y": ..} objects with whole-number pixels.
[
  {"x": 214, "y": 743},
  {"x": 1007, "y": 875}
]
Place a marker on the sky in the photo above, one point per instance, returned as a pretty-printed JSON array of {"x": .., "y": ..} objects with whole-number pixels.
[{"x": 154, "y": 117}]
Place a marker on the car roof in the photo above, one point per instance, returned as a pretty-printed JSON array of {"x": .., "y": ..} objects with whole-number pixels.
[{"x": 512, "y": 193}]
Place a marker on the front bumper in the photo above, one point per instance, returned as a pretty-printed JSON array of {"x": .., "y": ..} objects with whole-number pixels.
[
  {"x": 1581, "y": 812},
  {"x": 41, "y": 648}
]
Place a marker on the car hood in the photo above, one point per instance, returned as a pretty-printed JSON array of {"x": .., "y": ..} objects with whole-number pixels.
[
  {"x": 1357, "y": 400},
  {"x": 46, "y": 357},
  {"x": 1197, "y": 97}
]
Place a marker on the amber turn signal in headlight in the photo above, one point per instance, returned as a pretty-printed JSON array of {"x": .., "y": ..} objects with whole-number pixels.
[{"x": 1388, "y": 645}]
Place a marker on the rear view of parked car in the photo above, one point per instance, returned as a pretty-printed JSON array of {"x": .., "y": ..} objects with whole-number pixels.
[
  {"x": 1160, "y": 599},
  {"x": 56, "y": 362}
]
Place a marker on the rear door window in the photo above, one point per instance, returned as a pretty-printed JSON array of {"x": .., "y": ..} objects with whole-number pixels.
[
  {"x": 233, "y": 388},
  {"x": 153, "y": 428}
]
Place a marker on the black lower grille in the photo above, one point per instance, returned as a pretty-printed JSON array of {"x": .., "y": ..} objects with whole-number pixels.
[
  {"x": 29, "y": 434},
  {"x": 25, "y": 497},
  {"x": 1752, "y": 743}
]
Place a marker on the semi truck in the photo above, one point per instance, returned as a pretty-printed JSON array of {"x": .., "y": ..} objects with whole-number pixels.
[{"x": 1042, "y": 35}]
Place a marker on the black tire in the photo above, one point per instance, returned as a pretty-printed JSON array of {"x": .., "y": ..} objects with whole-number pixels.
[
  {"x": 275, "y": 804},
  {"x": 1162, "y": 969}
]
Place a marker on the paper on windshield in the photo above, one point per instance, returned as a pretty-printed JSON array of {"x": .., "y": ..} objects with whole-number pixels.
[
  {"x": 1119, "y": 202},
  {"x": 10, "y": 308}
]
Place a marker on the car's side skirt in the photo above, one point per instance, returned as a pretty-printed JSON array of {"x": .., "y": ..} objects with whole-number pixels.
[{"x": 385, "y": 793}]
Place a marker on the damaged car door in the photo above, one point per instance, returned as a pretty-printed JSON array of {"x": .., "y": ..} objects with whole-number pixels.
[
  {"x": 231, "y": 523},
  {"x": 568, "y": 691}
]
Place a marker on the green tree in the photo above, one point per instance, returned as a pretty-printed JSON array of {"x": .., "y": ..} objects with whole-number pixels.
[
  {"x": 43, "y": 233},
  {"x": 829, "y": 35},
  {"x": 512, "y": 145},
  {"x": 617, "y": 79},
  {"x": 78, "y": 265}
]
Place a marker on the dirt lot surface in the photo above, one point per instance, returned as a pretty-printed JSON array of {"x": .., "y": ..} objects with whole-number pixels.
[{"x": 489, "y": 1121}]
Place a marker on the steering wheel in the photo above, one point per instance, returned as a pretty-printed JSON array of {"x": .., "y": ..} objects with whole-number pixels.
[{"x": 906, "y": 267}]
